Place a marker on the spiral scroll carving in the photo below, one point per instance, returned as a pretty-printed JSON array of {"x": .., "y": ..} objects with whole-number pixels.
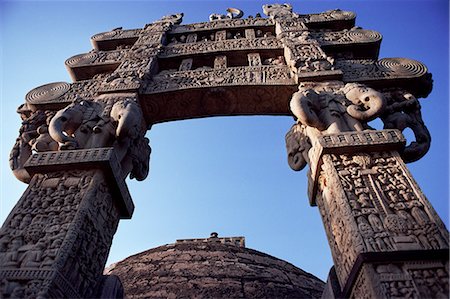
[
  {"x": 364, "y": 35},
  {"x": 342, "y": 14},
  {"x": 104, "y": 35},
  {"x": 47, "y": 93},
  {"x": 81, "y": 59},
  {"x": 402, "y": 66}
]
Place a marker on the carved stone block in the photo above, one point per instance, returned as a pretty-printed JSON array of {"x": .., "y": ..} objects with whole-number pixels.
[
  {"x": 220, "y": 62},
  {"x": 254, "y": 59},
  {"x": 186, "y": 64},
  {"x": 250, "y": 33}
]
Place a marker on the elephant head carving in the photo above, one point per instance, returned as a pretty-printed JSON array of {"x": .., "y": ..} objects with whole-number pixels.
[
  {"x": 367, "y": 103},
  {"x": 72, "y": 126},
  {"x": 305, "y": 105},
  {"x": 132, "y": 148},
  {"x": 127, "y": 116}
]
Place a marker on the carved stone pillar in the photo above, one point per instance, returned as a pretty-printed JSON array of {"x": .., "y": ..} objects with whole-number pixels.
[
  {"x": 56, "y": 240},
  {"x": 386, "y": 239}
]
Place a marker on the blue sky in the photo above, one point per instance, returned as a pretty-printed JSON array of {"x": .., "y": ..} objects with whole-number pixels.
[{"x": 224, "y": 174}]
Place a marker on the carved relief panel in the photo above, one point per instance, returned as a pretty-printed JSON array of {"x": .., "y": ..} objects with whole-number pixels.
[{"x": 370, "y": 203}]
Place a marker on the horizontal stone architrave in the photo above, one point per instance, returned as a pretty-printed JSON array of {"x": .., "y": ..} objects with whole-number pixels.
[
  {"x": 329, "y": 16},
  {"x": 409, "y": 74},
  {"x": 111, "y": 39},
  {"x": 330, "y": 38},
  {"x": 221, "y": 46},
  {"x": 216, "y": 101},
  {"x": 221, "y": 24},
  {"x": 203, "y": 78}
]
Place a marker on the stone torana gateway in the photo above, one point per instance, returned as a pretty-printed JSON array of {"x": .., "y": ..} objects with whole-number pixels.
[{"x": 79, "y": 141}]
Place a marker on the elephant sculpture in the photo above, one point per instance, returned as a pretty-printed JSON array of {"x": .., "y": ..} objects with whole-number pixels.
[
  {"x": 131, "y": 146},
  {"x": 72, "y": 126},
  {"x": 338, "y": 110},
  {"x": 367, "y": 103},
  {"x": 113, "y": 120}
]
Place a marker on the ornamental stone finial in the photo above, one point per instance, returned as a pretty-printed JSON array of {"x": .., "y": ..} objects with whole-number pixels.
[{"x": 232, "y": 13}]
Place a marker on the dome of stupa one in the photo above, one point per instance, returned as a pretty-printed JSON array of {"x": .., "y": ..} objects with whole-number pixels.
[{"x": 212, "y": 268}]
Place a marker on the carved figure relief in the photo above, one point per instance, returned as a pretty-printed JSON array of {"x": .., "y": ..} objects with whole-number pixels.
[{"x": 403, "y": 111}]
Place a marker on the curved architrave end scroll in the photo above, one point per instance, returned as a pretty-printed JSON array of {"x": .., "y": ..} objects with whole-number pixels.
[
  {"x": 110, "y": 40},
  {"x": 86, "y": 66},
  {"x": 405, "y": 73}
]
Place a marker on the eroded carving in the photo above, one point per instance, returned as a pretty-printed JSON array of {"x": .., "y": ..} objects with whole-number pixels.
[
  {"x": 278, "y": 11},
  {"x": 297, "y": 146}
]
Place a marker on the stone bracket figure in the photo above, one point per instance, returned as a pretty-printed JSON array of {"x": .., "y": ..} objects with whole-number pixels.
[
  {"x": 403, "y": 111},
  {"x": 297, "y": 146},
  {"x": 33, "y": 136}
]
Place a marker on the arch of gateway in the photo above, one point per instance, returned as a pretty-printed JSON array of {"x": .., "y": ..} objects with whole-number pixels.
[{"x": 80, "y": 140}]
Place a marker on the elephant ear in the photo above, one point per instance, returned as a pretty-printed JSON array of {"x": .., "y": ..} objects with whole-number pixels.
[
  {"x": 367, "y": 103},
  {"x": 303, "y": 106}
]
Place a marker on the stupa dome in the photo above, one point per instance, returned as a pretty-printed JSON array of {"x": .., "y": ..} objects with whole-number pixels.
[{"x": 212, "y": 268}]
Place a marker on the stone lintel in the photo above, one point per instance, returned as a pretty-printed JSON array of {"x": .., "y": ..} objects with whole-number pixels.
[
  {"x": 349, "y": 143},
  {"x": 84, "y": 159}
]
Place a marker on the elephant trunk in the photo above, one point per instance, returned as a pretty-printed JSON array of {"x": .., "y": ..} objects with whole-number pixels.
[
  {"x": 302, "y": 106},
  {"x": 367, "y": 102},
  {"x": 58, "y": 131}
]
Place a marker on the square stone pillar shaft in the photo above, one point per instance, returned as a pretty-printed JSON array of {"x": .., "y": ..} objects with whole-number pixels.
[
  {"x": 55, "y": 242},
  {"x": 386, "y": 239}
]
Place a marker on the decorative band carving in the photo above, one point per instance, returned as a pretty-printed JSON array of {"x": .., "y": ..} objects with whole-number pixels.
[
  {"x": 100, "y": 57},
  {"x": 386, "y": 68},
  {"x": 116, "y": 34},
  {"x": 346, "y": 37},
  {"x": 222, "y": 24},
  {"x": 225, "y": 45},
  {"x": 267, "y": 75},
  {"x": 330, "y": 15}
]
